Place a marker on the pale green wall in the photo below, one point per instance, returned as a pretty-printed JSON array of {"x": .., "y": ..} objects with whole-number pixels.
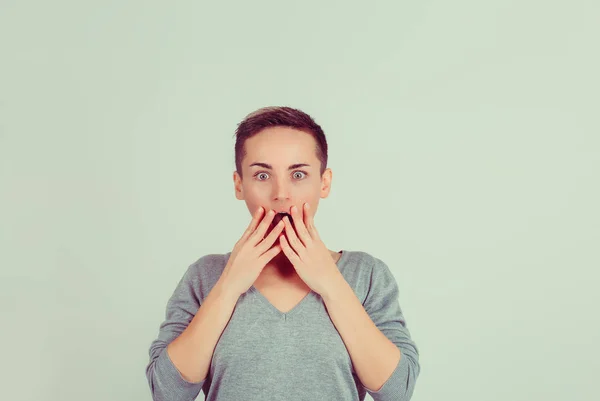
[{"x": 464, "y": 140}]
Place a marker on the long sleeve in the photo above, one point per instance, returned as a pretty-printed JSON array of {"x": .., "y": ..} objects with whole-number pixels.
[
  {"x": 166, "y": 383},
  {"x": 381, "y": 303}
]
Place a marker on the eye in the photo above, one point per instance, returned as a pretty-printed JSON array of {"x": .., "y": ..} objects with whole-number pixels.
[
  {"x": 300, "y": 171},
  {"x": 257, "y": 175}
]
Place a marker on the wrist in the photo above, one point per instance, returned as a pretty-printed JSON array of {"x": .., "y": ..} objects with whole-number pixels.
[
  {"x": 334, "y": 286},
  {"x": 224, "y": 290}
]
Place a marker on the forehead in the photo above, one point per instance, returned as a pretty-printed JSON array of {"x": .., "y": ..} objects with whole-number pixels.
[{"x": 280, "y": 143}]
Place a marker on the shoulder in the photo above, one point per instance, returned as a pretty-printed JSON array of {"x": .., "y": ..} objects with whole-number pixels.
[
  {"x": 370, "y": 267},
  {"x": 204, "y": 273},
  {"x": 211, "y": 261},
  {"x": 363, "y": 260},
  {"x": 364, "y": 271}
]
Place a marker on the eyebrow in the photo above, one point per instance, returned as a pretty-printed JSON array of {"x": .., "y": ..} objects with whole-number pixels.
[{"x": 268, "y": 166}]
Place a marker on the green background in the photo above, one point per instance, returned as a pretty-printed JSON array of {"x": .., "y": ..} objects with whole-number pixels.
[{"x": 464, "y": 143}]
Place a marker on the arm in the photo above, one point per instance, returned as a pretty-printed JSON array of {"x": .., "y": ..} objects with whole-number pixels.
[
  {"x": 180, "y": 357},
  {"x": 382, "y": 352}
]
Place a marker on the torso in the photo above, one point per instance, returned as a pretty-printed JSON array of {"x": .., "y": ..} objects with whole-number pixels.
[{"x": 284, "y": 293}]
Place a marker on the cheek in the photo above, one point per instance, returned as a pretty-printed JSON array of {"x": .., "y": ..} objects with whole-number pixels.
[{"x": 255, "y": 199}]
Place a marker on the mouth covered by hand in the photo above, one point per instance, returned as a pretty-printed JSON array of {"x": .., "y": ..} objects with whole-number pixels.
[{"x": 278, "y": 217}]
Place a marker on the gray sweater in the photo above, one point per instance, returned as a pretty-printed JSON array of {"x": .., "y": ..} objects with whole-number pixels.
[{"x": 264, "y": 354}]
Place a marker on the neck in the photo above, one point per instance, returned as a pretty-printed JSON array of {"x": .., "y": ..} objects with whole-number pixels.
[{"x": 280, "y": 266}]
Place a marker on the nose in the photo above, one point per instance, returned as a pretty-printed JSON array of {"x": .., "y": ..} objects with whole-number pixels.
[{"x": 281, "y": 189}]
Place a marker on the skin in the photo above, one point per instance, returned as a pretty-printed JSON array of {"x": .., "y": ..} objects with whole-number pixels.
[{"x": 279, "y": 188}]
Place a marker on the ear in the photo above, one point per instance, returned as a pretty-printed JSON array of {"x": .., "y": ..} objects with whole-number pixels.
[
  {"x": 326, "y": 183},
  {"x": 237, "y": 184}
]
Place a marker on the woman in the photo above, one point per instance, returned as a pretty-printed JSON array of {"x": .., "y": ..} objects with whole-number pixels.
[{"x": 282, "y": 317}]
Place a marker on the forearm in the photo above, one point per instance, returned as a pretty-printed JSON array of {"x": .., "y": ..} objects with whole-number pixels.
[
  {"x": 192, "y": 351},
  {"x": 373, "y": 355}
]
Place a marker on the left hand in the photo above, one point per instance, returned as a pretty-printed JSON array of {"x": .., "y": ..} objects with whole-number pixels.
[{"x": 309, "y": 255}]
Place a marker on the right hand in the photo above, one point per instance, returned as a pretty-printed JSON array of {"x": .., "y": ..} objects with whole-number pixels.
[{"x": 251, "y": 253}]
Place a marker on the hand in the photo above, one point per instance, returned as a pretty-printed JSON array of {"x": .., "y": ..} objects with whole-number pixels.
[
  {"x": 309, "y": 255},
  {"x": 251, "y": 253}
]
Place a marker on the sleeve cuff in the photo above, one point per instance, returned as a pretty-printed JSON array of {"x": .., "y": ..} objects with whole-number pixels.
[
  {"x": 173, "y": 381},
  {"x": 396, "y": 386}
]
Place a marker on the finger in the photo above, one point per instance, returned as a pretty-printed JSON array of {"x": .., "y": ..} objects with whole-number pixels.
[
  {"x": 259, "y": 233},
  {"x": 270, "y": 254},
  {"x": 292, "y": 238},
  {"x": 271, "y": 238},
  {"x": 310, "y": 222},
  {"x": 253, "y": 223},
  {"x": 303, "y": 233},
  {"x": 288, "y": 251}
]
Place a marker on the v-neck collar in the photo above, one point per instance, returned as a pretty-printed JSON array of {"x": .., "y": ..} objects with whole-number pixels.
[{"x": 311, "y": 294}]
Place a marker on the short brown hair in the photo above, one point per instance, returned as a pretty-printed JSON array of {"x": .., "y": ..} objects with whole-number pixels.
[{"x": 282, "y": 116}]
